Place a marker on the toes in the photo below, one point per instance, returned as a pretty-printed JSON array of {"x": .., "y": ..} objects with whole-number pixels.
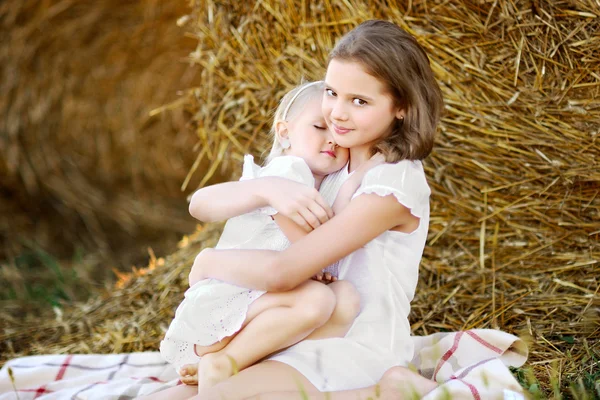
[
  {"x": 188, "y": 370},
  {"x": 189, "y": 380}
]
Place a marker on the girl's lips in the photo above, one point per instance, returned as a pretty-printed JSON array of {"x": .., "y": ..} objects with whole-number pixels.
[
  {"x": 329, "y": 153},
  {"x": 339, "y": 130}
]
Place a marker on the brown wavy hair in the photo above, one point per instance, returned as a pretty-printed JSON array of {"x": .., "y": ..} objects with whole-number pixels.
[{"x": 393, "y": 56}]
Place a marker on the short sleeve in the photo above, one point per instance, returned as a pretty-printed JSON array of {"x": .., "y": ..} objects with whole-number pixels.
[
  {"x": 289, "y": 167},
  {"x": 249, "y": 169},
  {"x": 404, "y": 180}
]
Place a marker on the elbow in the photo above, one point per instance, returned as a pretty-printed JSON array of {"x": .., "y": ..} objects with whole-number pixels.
[{"x": 197, "y": 207}]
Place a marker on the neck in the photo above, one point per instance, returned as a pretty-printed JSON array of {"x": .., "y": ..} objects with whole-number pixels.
[
  {"x": 358, "y": 155},
  {"x": 318, "y": 180}
]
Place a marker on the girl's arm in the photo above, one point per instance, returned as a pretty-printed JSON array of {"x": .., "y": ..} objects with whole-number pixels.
[
  {"x": 303, "y": 205},
  {"x": 365, "y": 218},
  {"x": 227, "y": 200}
]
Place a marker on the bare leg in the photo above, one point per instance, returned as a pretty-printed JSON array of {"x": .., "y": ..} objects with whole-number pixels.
[
  {"x": 347, "y": 307},
  {"x": 189, "y": 372},
  {"x": 271, "y": 380},
  {"x": 274, "y": 321},
  {"x": 265, "y": 377}
]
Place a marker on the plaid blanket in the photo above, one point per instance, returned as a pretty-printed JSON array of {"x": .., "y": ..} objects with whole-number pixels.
[{"x": 468, "y": 364}]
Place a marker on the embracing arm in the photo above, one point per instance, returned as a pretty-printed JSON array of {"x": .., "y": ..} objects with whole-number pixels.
[
  {"x": 300, "y": 203},
  {"x": 365, "y": 218},
  {"x": 228, "y": 200}
]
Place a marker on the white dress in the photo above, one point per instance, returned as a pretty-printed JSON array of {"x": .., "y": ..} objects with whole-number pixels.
[
  {"x": 385, "y": 273},
  {"x": 212, "y": 309}
]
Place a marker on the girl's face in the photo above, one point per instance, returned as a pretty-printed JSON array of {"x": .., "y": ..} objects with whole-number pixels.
[
  {"x": 312, "y": 141},
  {"x": 356, "y": 106}
]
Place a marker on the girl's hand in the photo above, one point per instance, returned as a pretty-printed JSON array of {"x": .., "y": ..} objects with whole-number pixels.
[
  {"x": 301, "y": 204},
  {"x": 325, "y": 278}
]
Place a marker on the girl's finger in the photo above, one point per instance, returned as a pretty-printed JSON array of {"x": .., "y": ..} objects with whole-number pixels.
[
  {"x": 320, "y": 201},
  {"x": 310, "y": 218},
  {"x": 318, "y": 212},
  {"x": 301, "y": 222}
]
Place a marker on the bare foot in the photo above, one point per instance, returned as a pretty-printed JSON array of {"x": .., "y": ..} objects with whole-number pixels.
[
  {"x": 402, "y": 383},
  {"x": 214, "y": 368},
  {"x": 189, "y": 374}
]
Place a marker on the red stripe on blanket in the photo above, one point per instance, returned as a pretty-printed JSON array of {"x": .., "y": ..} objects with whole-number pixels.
[
  {"x": 39, "y": 391},
  {"x": 63, "y": 368},
  {"x": 472, "y": 388},
  {"x": 448, "y": 354},
  {"x": 484, "y": 342}
]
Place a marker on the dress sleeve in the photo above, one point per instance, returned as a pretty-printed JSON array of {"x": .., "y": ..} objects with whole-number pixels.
[
  {"x": 249, "y": 169},
  {"x": 289, "y": 167},
  {"x": 404, "y": 180}
]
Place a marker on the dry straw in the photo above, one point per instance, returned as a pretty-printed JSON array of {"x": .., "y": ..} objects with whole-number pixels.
[
  {"x": 78, "y": 148},
  {"x": 515, "y": 174}
]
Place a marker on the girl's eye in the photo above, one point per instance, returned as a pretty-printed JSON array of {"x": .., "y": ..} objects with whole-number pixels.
[
  {"x": 319, "y": 127},
  {"x": 329, "y": 92},
  {"x": 359, "y": 102}
]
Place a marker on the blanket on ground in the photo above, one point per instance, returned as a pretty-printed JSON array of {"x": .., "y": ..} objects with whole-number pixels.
[{"x": 469, "y": 364}]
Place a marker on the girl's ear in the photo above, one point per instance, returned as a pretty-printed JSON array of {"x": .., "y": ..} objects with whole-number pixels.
[
  {"x": 282, "y": 130},
  {"x": 400, "y": 114}
]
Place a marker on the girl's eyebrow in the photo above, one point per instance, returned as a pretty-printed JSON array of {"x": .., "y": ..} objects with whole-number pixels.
[{"x": 352, "y": 95}]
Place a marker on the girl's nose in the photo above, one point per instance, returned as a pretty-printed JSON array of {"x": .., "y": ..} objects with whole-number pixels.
[
  {"x": 338, "y": 112},
  {"x": 330, "y": 140}
]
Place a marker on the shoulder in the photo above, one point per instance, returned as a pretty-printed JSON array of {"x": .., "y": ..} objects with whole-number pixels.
[
  {"x": 405, "y": 180},
  {"x": 289, "y": 167}
]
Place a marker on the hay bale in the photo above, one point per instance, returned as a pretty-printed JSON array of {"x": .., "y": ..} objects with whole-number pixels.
[
  {"x": 79, "y": 149},
  {"x": 514, "y": 235},
  {"x": 515, "y": 173}
]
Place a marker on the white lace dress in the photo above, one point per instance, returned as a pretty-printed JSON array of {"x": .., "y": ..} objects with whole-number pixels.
[
  {"x": 385, "y": 273},
  {"x": 212, "y": 309}
]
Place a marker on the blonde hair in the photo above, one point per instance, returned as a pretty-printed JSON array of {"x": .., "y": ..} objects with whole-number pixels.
[
  {"x": 290, "y": 106},
  {"x": 395, "y": 58}
]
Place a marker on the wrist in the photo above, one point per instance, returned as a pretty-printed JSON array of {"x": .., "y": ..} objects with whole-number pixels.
[{"x": 262, "y": 191}]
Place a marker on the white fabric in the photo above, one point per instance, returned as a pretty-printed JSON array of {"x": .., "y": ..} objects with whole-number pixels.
[
  {"x": 328, "y": 190},
  {"x": 212, "y": 309},
  {"x": 385, "y": 273}
]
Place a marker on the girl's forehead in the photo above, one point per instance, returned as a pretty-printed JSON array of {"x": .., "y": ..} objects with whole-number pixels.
[
  {"x": 312, "y": 108},
  {"x": 350, "y": 77}
]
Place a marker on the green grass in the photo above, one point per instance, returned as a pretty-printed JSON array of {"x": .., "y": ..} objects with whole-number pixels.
[
  {"x": 35, "y": 281},
  {"x": 587, "y": 388}
]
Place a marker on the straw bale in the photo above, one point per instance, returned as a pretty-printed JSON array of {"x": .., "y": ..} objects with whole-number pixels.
[
  {"x": 515, "y": 225},
  {"x": 79, "y": 149},
  {"x": 514, "y": 237}
]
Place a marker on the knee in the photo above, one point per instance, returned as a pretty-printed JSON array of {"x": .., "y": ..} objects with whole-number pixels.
[
  {"x": 347, "y": 302},
  {"x": 317, "y": 303}
]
